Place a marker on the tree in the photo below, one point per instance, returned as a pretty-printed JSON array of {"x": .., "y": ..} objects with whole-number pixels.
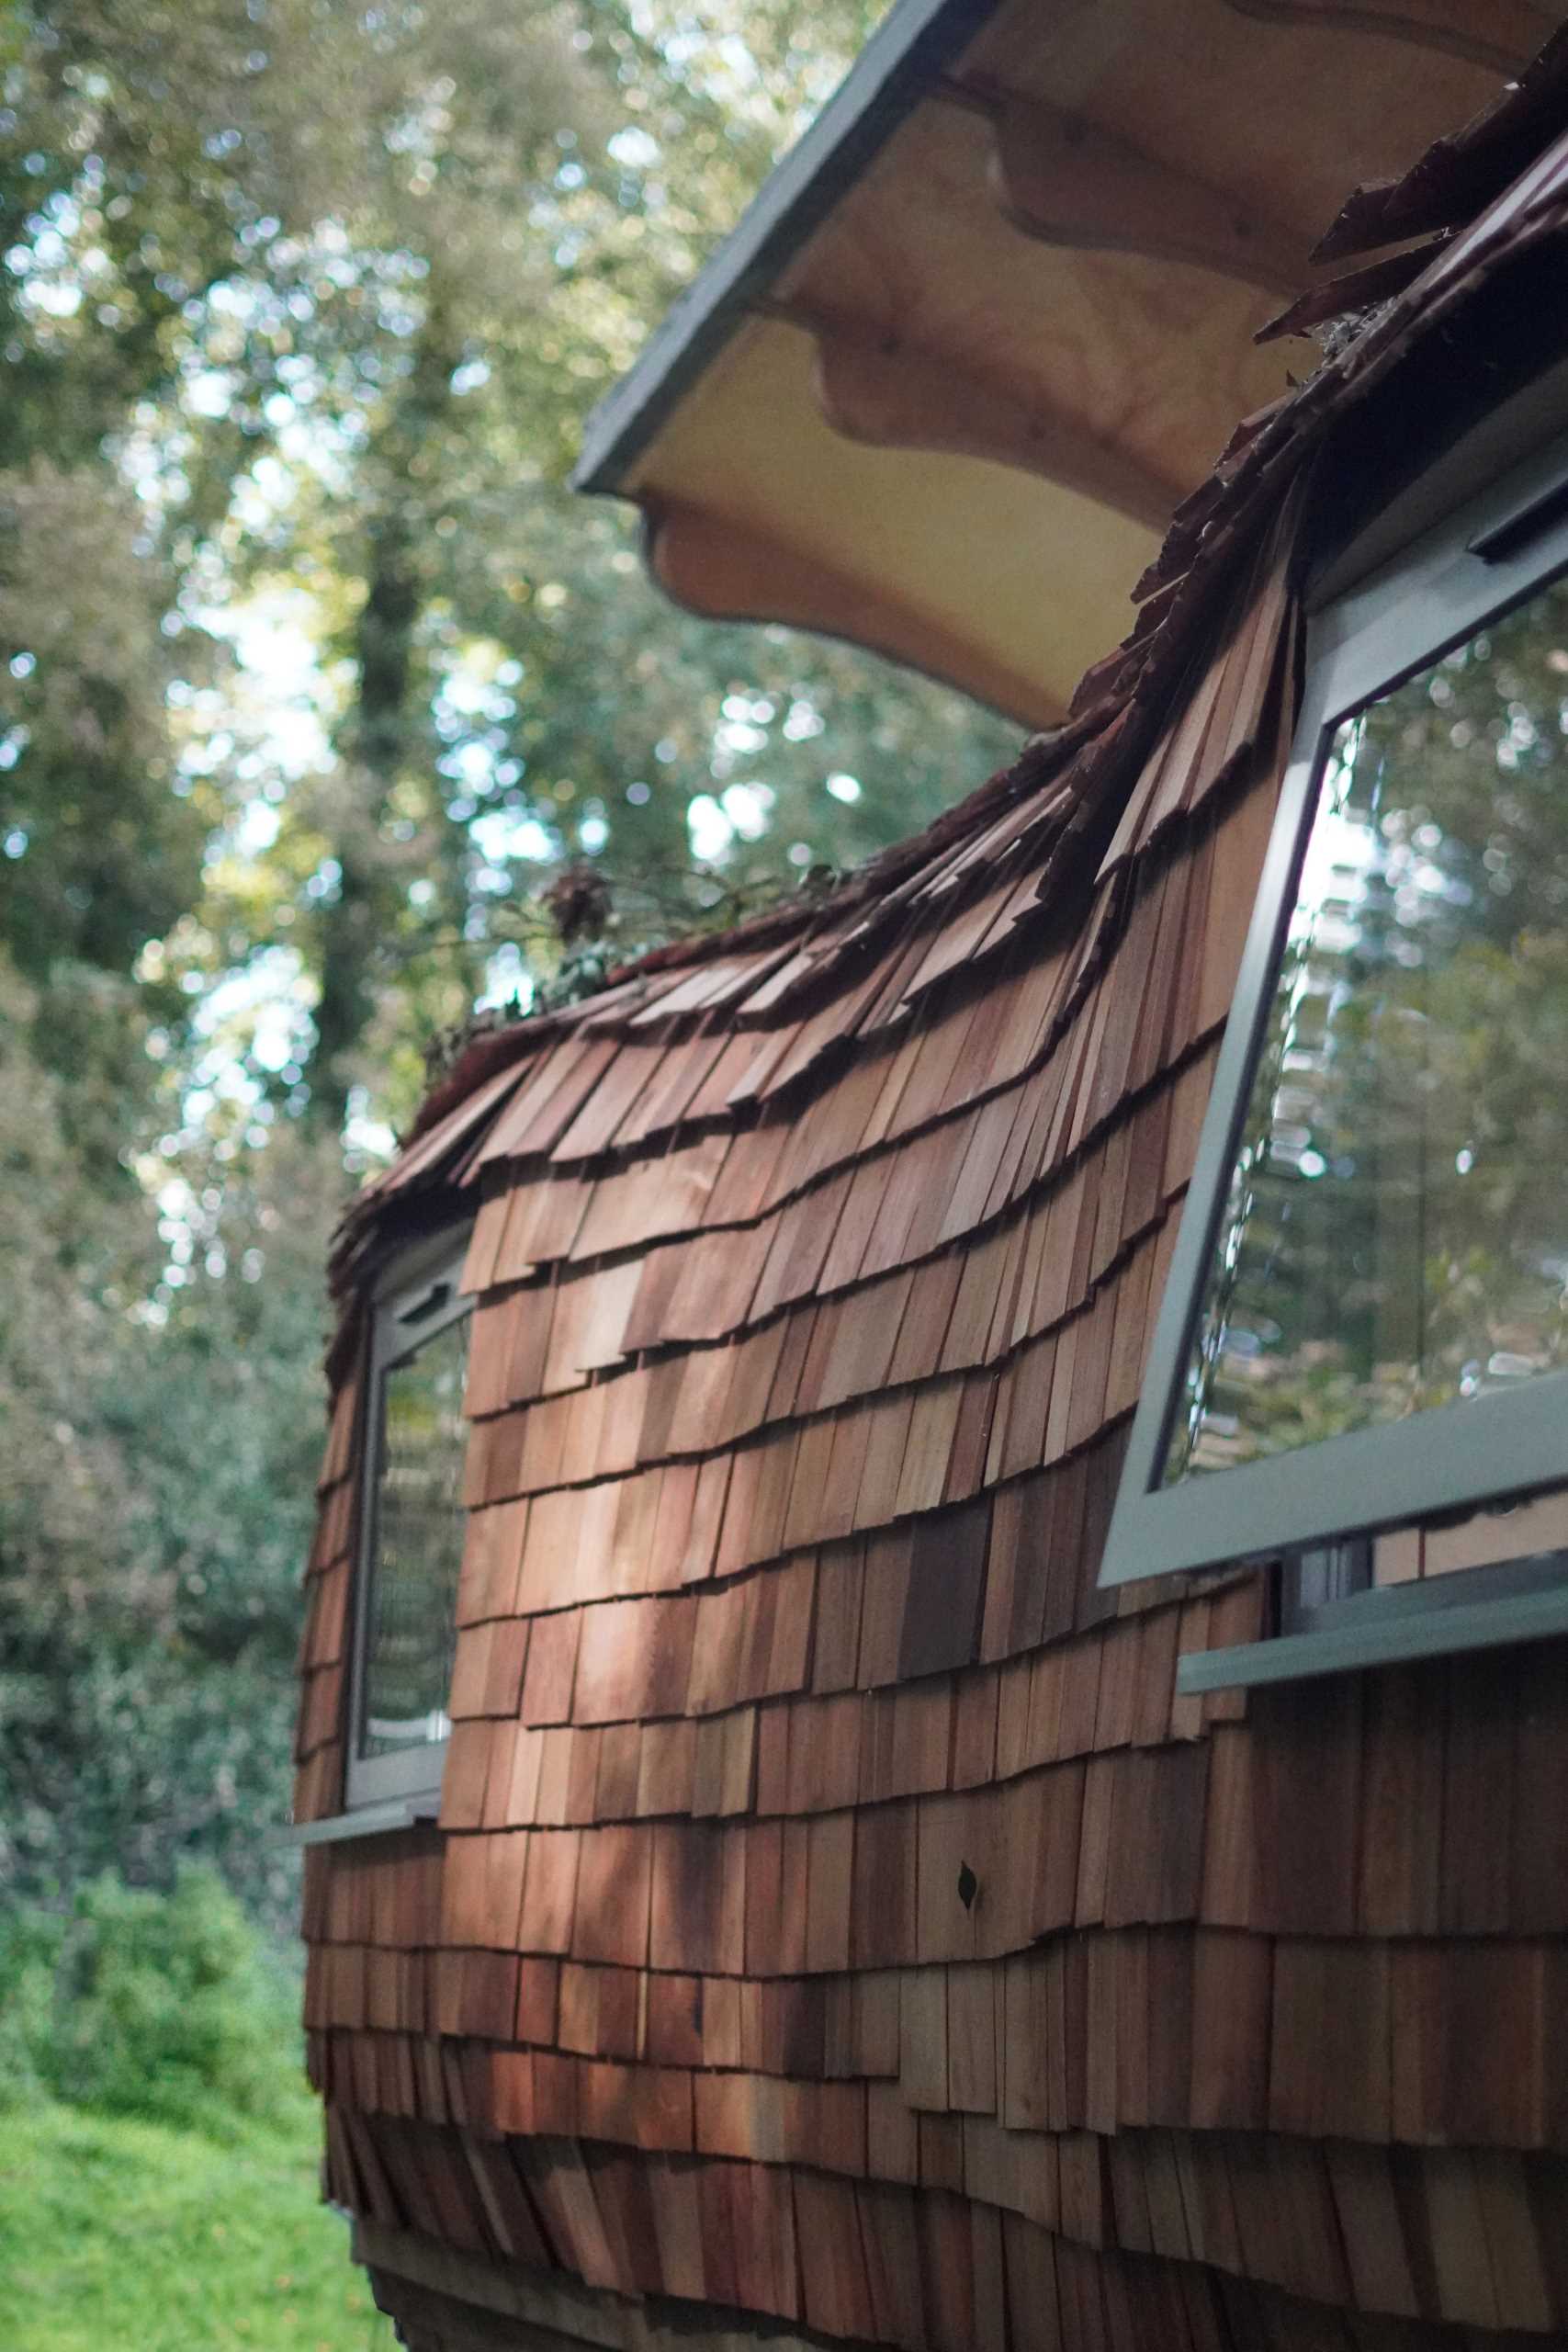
[
  {"x": 301, "y": 309},
  {"x": 161, "y": 1417}
]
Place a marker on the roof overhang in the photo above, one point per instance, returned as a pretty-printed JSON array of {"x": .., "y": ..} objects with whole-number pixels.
[{"x": 993, "y": 318}]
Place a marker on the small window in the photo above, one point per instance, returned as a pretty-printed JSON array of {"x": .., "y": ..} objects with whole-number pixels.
[
  {"x": 411, "y": 1531},
  {"x": 1366, "y": 1324}
]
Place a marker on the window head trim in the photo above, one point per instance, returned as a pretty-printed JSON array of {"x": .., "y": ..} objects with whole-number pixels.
[
  {"x": 1429, "y": 599},
  {"x": 419, "y": 1295}
]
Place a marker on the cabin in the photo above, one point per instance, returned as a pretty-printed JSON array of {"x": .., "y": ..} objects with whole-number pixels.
[{"x": 935, "y": 1669}]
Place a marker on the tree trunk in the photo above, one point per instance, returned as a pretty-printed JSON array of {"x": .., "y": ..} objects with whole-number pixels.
[{"x": 380, "y": 730}]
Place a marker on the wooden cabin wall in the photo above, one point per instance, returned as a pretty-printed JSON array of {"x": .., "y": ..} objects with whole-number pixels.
[{"x": 837, "y": 1926}]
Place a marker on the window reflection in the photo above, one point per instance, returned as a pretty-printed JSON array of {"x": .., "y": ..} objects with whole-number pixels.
[
  {"x": 417, "y": 1547},
  {"x": 1395, "y": 1234}
]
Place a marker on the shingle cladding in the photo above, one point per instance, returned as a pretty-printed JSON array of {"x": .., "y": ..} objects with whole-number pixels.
[{"x": 836, "y": 1924}]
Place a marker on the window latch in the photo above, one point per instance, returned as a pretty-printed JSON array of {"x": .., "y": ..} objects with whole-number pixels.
[
  {"x": 435, "y": 1298},
  {"x": 1508, "y": 538}
]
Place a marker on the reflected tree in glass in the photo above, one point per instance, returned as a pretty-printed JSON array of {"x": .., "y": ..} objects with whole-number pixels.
[
  {"x": 417, "y": 1546},
  {"x": 1396, "y": 1233}
]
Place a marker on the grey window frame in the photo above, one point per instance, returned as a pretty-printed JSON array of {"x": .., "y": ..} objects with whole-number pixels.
[
  {"x": 409, "y": 1782},
  {"x": 1483, "y": 557}
]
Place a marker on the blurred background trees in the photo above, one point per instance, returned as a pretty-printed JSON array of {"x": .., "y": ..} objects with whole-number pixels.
[{"x": 313, "y": 677}]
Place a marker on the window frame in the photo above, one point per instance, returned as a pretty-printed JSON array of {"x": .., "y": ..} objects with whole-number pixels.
[
  {"x": 1484, "y": 557},
  {"x": 411, "y": 1779}
]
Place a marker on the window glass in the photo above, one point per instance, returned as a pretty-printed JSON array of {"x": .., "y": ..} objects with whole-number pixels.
[
  {"x": 1395, "y": 1234},
  {"x": 416, "y": 1549}
]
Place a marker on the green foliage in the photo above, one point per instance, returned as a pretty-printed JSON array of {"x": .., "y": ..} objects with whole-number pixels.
[
  {"x": 30, "y": 1945},
  {"x": 157, "y": 2004},
  {"x": 302, "y": 310},
  {"x": 336, "y": 290},
  {"x": 101, "y": 854},
  {"x": 161, "y": 1418}
]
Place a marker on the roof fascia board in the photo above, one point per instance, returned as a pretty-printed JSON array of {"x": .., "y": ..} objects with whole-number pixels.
[{"x": 908, "y": 49}]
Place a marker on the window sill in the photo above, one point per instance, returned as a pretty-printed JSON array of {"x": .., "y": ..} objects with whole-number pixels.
[
  {"x": 365, "y": 1821},
  {"x": 1425, "y": 1624}
]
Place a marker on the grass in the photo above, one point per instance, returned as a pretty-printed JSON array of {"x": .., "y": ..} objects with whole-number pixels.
[{"x": 118, "y": 2233}]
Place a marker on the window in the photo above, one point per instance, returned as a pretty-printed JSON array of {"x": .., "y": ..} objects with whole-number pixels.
[
  {"x": 1366, "y": 1324},
  {"x": 411, "y": 1531}
]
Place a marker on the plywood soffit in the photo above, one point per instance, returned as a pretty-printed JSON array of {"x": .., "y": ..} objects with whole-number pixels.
[
  {"x": 1460, "y": 171},
  {"x": 1448, "y": 27},
  {"x": 712, "y": 567},
  {"x": 895, "y": 397},
  {"x": 1057, "y": 177},
  {"x": 1038, "y": 237}
]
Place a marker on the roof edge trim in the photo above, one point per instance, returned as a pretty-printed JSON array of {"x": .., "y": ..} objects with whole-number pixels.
[{"x": 913, "y": 44}]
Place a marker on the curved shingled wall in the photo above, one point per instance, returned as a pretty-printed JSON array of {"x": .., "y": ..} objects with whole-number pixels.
[{"x": 837, "y": 1929}]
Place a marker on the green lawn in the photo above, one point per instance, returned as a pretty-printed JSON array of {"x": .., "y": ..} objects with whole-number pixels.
[{"x": 120, "y": 2236}]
